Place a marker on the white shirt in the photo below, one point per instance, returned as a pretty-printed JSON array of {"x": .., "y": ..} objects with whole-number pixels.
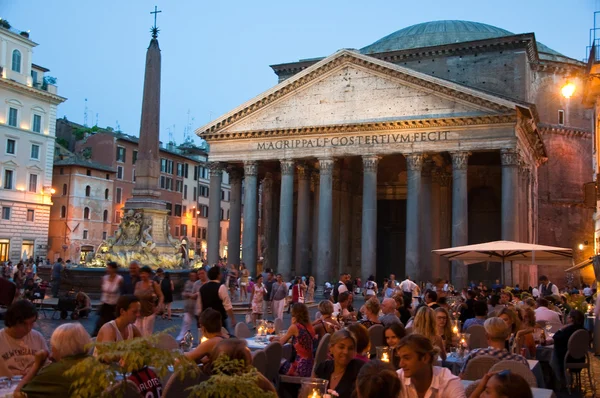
[
  {"x": 535, "y": 292},
  {"x": 17, "y": 355},
  {"x": 337, "y": 309},
  {"x": 223, "y": 295},
  {"x": 342, "y": 288},
  {"x": 408, "y": 286},
  {"x": 111, "y": 290},
  {"x": 546, "y": 314},
  {"x": 587, "y": 292},
  {"x": 443, "y": 385}
]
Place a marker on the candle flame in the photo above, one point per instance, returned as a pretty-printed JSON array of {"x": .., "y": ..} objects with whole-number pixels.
[
  {"x": 315, "y": 394},
  {"x": 385, "y": 357},
  {"x": 203, "y": 339},
  {"x": 455, "y": 330}
]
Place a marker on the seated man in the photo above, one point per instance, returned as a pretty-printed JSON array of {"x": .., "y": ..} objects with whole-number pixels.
[
  {"x": 543, "y": 313},
  {"x": 83, "y": 306},
  {"x": 19, "y": 343},
  {"x": 210, "y": 323},
  {"x": 480, "y": 309},
  {"x": 561, "y": 338},
  {"x": 388, "y": 308},
  {"x": 341, "y": 308},
  {"x": 122, "y": 328},
  {"x": 497, "y": 332}
]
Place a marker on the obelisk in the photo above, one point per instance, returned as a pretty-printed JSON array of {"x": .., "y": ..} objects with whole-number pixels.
[{"x": 145, "y": 192}]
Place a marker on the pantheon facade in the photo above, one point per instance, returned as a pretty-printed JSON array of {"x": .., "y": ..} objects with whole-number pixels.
[{"x": 441, "y": 134}]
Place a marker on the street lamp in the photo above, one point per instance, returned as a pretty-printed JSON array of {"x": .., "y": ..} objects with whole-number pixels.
[{"x": 568, "y": 89}]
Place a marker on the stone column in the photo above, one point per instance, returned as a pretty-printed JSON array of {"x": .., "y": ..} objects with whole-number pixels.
[
  {"x": 426, "y": 220},
  {"x": 368, "y": 254},
  {"x": 303, "y": 221},
  {"x": 324, "y": 264},
  {"x": 314, "y": 248},
  {"x": 286, "y": 219},
  {"x": 460, "y": 214},
  {"x": 345, "y": 224},
  {"x": 214, "y": 212},
  {"x": 335, "y": 219},
  {"x": 444, "y": 180},
  {"x": 235, "y": 216},
  {"x": 267, "y": 220},
  {"x": 414, "y": 164},
  {"x": 250, "y": 239},
  {"x": 510, "y": 228}
]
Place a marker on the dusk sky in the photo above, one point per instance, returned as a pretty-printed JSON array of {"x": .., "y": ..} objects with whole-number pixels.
[{"x": 216, "y": 55}]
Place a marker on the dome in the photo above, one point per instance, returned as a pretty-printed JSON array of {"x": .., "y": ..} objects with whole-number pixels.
[{"x": 437, "y": 33}]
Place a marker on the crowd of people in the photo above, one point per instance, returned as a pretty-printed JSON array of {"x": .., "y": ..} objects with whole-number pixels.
[{"x": 418, "y": 322}]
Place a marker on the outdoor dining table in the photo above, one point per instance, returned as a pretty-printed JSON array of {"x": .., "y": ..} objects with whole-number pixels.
[
  {"x": 543, "y": 353},
  {"x": 455, "y": 363},
  {"x": 254, "y": 344},
  {"x": 537, "y": 392}
]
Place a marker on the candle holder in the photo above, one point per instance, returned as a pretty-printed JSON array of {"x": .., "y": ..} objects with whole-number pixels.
[
  {"x": 455, "y": 326},
  {"x": 463, "y": 343},
  {"x": 313, "y": 388},
  {"x": 384, "y": 353}
]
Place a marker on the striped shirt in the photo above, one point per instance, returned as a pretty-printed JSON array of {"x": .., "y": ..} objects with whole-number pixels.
[{"x": 502, "y": 355}]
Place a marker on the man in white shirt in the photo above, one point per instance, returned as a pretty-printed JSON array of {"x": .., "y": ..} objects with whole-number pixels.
[
  {"x": 18, "y": 341},
  {"x": 543, "y": 313},
  {"x": 408, "y": 287},
  {"x": 341, "y": 307},
  {"x": 547, "y": 288},
  {"x": 587, "y": 291},
  {"x": 419, "y": 377}
]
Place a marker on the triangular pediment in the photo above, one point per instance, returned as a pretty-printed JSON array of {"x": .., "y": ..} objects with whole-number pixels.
[
  {"x": 351, "y": 88},
  {"x": 35, "y": 168},
  {"x": 10, "y": 163}
]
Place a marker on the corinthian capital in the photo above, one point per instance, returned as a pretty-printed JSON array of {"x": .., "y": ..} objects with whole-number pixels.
[
  {"x": 304, "y": 171},
  {"x": 287, "y": 167},
  {"x": 370, "y": 163},
  {"x": 460, "y": 160},
  {"x": 215, "y": 168},
  {"x": 326, "y": 166},
  {"x": 250, "y": 168},
  {"x": 414, "y": 161},
  {"x": 509, "y": 157}
]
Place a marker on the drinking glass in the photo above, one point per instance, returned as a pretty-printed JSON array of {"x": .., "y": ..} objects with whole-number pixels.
[
  {"x": 384, "y": 353},
  {"x": 313, "y": 388}
]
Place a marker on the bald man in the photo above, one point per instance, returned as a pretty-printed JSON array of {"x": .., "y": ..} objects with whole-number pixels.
[{"x": 388, "y": 307}]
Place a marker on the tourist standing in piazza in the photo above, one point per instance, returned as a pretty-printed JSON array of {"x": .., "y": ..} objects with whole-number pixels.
[
  {"x": 278, "y": 295},
  {"x": 111, "y": 287},
  {"x": 256, "y": 299},
  {"x": 214, "y": 294},
  {"x": 244, "y": 278},
  {"x": 132, "y": 278},
  {"x": 56, "y": 277},
  {"x": 148, "y": 292},
  {"x": 408, "y": 287},
  {"x": 189, "y": 306}
]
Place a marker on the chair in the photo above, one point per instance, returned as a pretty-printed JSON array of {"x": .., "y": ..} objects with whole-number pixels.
[
  {"x": 166, "y": 342},
  {"x": 242, "y": 331},
  {"x": 287, "y": 352},
  {"x": 8, "y": 290},
  {"x": 376, "y": 337},
  {"x": 317, "y": 315},
  {"x": 39, "y": 293},
  {"x": 274, "y": 352},
  {"x": 479, "y": 366},
  {"x": 478, "y": 337},
  {"x": 118, "y": 390},
  {"x": 176, "y": 387},
  {"x": 322, "y": 350},
  {"x": 577, "y": 348},
  {"x": 278, "y": 323},
  {"x": 516, "y": 367},
  {"x": 471, "y": 388},
  {"x": 259, "y": 361}
]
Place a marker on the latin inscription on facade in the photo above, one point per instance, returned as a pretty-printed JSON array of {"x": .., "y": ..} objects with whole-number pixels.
[{"x": 358, "y": 140}]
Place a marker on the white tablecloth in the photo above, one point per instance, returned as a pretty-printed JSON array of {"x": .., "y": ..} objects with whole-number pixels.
[
  {"x": 537, "y": 392},
  {"x": 7, "y": 392},
  {"x": 254, "y": 344}
]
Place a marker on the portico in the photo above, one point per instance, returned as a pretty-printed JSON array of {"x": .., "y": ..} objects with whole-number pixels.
[{"x": 400, "y": 163}]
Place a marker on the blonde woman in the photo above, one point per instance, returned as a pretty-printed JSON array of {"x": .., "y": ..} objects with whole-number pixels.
[
  {"x": 425, "y": 325},
  {"x": 310, "y": 292},
  {"x": 326, "y": 324},
  {"x": 371, "y": 313},
  {"x": 444, "y": 326}
]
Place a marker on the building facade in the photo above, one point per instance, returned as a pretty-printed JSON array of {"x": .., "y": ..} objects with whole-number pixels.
[
  {"x": 441, "y": 134},
  {"x": 27, "y": 135},
  {"x": 182, "y": 183},
  {"x": 82, "y": 209}
]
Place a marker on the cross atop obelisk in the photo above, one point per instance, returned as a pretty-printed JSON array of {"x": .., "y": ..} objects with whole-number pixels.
[{"x": 155, "y": 29}]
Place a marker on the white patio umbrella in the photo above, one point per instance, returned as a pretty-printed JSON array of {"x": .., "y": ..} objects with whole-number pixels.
[{"x": 504, "y": 250}]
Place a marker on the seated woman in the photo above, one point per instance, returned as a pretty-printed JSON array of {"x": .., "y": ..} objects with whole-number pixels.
[
  {"x": 444, "y": 327},
  {"x": 127, "y": 310},
  {"x": 210, "y": 324},
  {"x": 237, "y": 349},
  {"x": 325, "y": 324},
  {"x": 342, "y": 370},
  {"x": 18, "y": 341},
  {"x": 402, "y": 308},
  {"x": 524, "y": 337},
  {"x": 377, "y": 379},
  {"x": 417, "y": 374},
  {"x": 425, "y": 325},
  {"x": 83, "y": 306},
  {"x": 393, "y": 334},
  {"x": 510, "y": 317},
  {"x": 363, "y": 342},
  {"x": 575, "y": 321},
  {"x": 372, "y": 308},
  {"x": 68, "y": 344},
  {"x": 502, "y": 385},
  {"x": 303, "y": 339}
]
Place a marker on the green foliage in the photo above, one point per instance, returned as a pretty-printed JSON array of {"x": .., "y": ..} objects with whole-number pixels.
[
  {"x": 4, "y": 24},
  {"x": 80, "y": 132},
  {"x": 62, "y": 142},
  {"x": 577, "y": 302},
  {"x": 48, "y": 80},
  {"x": 93, "y": 375},
  {"x": 231, "y": 378}
]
